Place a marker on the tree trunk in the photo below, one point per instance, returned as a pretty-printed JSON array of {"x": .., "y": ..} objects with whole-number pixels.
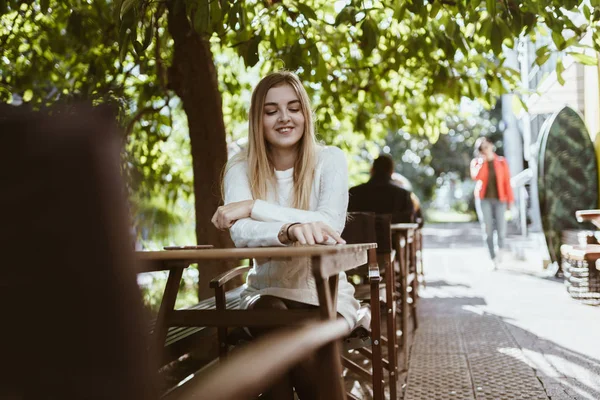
[{"x": 192, "y": 75}]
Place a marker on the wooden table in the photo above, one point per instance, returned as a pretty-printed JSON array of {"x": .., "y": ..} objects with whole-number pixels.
[
  {"x": 588, "y": 215},
  {"x": 403, "y": 240},
  {"x": 326, "y": 264}
]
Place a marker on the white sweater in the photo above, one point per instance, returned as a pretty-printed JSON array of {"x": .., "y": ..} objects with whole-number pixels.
[{"x": 291, "y": 279}]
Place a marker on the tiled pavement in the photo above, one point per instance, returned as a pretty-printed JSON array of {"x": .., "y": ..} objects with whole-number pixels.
[{"x": 506, "y": 334}]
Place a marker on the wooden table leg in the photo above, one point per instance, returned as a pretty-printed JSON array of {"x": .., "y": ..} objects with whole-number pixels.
[
  {"x": 401, "y": 250},
  {"x": 331, "y": 371},
  {"x": 415, "y": 281},
  {"x": 390, "y": 282},
  {"x": 166, "y": 306},
  {"x": 377, "y": 360}
]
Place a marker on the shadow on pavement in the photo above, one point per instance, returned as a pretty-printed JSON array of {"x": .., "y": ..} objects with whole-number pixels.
[{"x": 466, "y": 352}]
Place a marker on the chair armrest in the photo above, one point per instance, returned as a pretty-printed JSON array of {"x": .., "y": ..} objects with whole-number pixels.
[{"x": 225, "y": 277}]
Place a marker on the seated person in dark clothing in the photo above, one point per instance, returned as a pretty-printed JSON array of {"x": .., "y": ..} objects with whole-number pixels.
[{"x": 381, "y": 194}]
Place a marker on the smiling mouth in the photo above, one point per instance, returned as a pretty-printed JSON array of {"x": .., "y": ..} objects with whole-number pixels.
[{"x": 286, "y": 129}]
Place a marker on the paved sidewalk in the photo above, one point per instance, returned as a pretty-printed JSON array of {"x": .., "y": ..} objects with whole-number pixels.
[{"x": 505, "y": 334}]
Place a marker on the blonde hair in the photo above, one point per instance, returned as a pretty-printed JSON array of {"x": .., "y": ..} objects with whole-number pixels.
[{"x": 261, "y": 171}]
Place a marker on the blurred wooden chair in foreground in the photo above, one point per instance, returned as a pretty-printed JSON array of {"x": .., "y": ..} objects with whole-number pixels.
[{"x": 67, "y": 279}]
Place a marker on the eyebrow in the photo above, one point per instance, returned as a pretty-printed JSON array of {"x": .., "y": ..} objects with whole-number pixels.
[{"x": 276, "y": 104}]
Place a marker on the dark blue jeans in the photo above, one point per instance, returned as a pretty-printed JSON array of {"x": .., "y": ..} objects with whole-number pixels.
[{"x": 491, "y": 216}]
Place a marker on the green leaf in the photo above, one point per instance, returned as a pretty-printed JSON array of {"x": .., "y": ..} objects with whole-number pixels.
[
  {"x": 435, "y": 9},
  {"x": 507, "y": 34},
  {"x": 496, "y": 38},
  {"x": 124, "y": 46},
  {"x": 216, "y": 16},
  {"x": 225, "y": 5},
  {"x": 491, "y": 7},
  {"x": 139, "y": 49},
  {"x": 558, "y": 40},
  {"x": 542, "y": 56},
  {"x": 587, "y": 12},
  {"x": 486, "y": 28},
  {"x": 346, "y": 15},
  {"x": 370, "y": 36},
  {"x": 400, "y": 10},
  {"x": 450, "y": 28},
  {"x": 148, "y": 32},
  {"x": 542, "y": 50},
  {"x": 305, "y": 10},
  {"x": 232, "y": 16},
  {"x": 126, "y": 6},
  {"x": 28, "y": 95},
  {"x": 202, "y": 17},
  {"x": 560, "y": 68},
  {"x": 518, "y": 105},
  {"x": 584, "y": 58}
]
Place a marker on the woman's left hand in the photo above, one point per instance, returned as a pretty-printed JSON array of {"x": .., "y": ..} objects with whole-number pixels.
[{"x": 225, "y": 216}]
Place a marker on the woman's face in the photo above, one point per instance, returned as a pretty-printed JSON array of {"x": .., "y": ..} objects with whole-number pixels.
[
  {"x": 486, "y": 149},
  {"x": 283, "y": 118}
]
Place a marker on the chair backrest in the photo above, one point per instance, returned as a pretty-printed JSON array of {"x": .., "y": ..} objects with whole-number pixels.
[
  {"x": 70, "y": 307},
  {"x": 368, "y": 227}
]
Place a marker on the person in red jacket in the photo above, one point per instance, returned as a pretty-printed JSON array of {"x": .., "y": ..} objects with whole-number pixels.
[{"x": 493, "y": 193}]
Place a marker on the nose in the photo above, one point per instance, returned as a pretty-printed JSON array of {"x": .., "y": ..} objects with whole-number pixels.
[{"x": 284, "y": 116}]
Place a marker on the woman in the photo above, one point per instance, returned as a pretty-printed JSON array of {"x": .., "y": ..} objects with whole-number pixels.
[
  {"x": 285, "y": 189},
  {"x": 492, "y": 193}
]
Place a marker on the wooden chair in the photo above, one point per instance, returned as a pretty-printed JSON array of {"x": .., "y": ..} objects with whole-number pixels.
[
  {"x": 420, "y": 269},
  {"x": 580, "y": 263},
  {"x": 360, "y": 337},
  {"x": 72, "y": 313},
  {"x": 406, "y": 281},
  {"x": 367, "y": 227}
]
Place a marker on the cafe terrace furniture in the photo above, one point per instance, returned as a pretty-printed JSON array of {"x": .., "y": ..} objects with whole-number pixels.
[{"x": 326, "y": 263}]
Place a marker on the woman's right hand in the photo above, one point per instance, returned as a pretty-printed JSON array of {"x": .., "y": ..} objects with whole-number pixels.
[{"x": 313, "y": 233}]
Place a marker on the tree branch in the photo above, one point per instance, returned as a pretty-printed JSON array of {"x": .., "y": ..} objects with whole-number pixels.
[
  {"x": 160, "y": 68},
  {"x": 138, "y": 117}
]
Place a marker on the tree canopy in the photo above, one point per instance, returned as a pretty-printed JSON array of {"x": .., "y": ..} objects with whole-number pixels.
[{"x": 371, "y": 67}]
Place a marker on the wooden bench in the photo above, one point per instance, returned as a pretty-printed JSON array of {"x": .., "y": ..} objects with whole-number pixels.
[
  {"x": 250, "y": 370},
  {"x": 181, "y": 340}
]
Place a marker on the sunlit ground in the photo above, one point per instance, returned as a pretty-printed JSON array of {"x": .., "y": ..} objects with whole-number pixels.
[{"x": 549, "y": 334}]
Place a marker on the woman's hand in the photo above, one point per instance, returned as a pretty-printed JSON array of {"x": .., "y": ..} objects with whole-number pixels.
[
  {"x": 225, "y": 216},
  {"x": 314, "y": 232}
]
